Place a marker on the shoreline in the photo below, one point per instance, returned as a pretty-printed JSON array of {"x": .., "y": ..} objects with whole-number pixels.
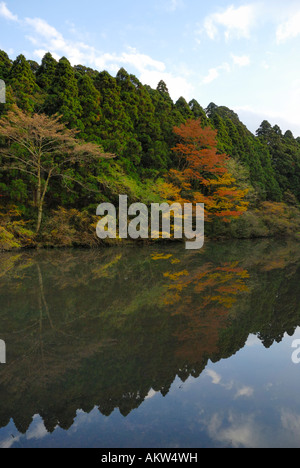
[{"x": 141, "y": 244}]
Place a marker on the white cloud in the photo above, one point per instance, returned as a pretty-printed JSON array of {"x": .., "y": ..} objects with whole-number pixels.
[
  {"x": 6, "y": 13},
  {"x": 174, "y": 5},
  {"x": 9, "y": 442},
  {"x": 237, "y": 22},
  {"x": 44, "y": 29},
  {"x": 214, "y": 73},
  {"x": 291, "y": 422},
  {"x": 41, "y": 33},
  {"x": 37, "y": 430},
  {"x": 244, "y": 392},
  {"x": 177, "y": 85},
  {"x": 253, "y": 340},
  {"x": 48, "y": 38},
  {"x": 149, "y": 70},
  {"x": 141, "y": 61},
  {"x": 41, "y": 52},
  {"x": 290, "y": 29},
  {"x": 216, "y": 378},
  {"x": 236, "y": 431},
  {"x": 241, "y": 60},
  {"x": 151, "y": 394}
]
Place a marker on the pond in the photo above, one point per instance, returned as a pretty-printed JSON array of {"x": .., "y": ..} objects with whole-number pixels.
[{"x": 154, "y": 347}]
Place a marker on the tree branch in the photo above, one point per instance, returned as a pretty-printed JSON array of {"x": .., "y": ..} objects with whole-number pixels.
[{"x": 12, "y": 168}]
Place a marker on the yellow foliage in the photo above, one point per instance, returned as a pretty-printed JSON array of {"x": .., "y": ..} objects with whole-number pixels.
[
  {"x": 158, "y": 256},
  {"x": 103, "y": 271},
  {"x": 175, "y": 276}
]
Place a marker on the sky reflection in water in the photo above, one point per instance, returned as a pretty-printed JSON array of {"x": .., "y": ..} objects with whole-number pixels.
[{"x": 153, "y": 347}]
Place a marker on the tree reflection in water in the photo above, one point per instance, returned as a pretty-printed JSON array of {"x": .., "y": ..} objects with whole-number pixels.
[{"x": 103, "y": 328}]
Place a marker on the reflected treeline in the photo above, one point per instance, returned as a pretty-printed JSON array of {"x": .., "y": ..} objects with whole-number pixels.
[{"x": 103, "y": 328}]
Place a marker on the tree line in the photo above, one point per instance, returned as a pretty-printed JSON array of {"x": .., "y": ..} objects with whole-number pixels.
[{"x": 137, "y": 124}]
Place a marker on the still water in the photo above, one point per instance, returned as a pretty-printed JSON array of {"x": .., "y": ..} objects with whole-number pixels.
[{"x": 152, "y": 347}]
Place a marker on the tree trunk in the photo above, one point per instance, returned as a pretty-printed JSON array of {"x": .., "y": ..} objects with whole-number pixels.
[
  {"x": 41, "y": 198},
  {"x": 38, "y": 197},
  {"x": 39, "y": 220}
]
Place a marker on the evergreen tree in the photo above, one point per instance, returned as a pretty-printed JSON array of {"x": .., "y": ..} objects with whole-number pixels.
[
  {"x": 136, "y": 123},
  {"x": 81, "y": 70},
  {"x": 22, "y": 81},
  {"x": 285, "y": 156},
  {"x": 115, "y": 127},
  {"x": 163, "y": 89},
  {"x": 198, "y": 112},
  {"x": 182, "y": 106},
  {"x": 63, "y": 95},
  {"x": 5, "y": 65},
  {"x": 167, "y": 117},
  {"x": 34, "y": 66},
  {"x": 265, "y": 132},
  {"x": 46, "y": 72},
  {"x": 89, "y": 98},
  {"x": 235, "y": 140}
]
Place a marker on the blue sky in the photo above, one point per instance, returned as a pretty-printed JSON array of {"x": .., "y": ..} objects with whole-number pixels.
[{"x": 242, "y": 54}]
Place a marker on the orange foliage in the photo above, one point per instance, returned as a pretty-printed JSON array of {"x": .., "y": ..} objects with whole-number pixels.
[
  {"x": 211, "y": 292},
  {"x": 202, "y": 176}
]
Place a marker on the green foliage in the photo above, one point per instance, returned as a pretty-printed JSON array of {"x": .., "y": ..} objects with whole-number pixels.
[
  {"x": 269, "y": 219},
  {"x": 285, "y": 156},
  {"x": 22, "y": 81},
  {"x": 63, "y": 95},
  {"x": 46, "y": 72},
  {"x": 237, "y": 141},
  {"x": 5, "y": 65},
  {"x": 70, "y": 228},
  {"x": 105, "y": 318},
  {"x": 14, "y": 232},
  {"x": 136, "y": 123},
  {"x": 198, "y": 112},
  {"x": 89, "y": 98}
]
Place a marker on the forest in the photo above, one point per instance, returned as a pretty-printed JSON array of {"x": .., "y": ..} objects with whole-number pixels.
[{"x": 73, "y": 137}]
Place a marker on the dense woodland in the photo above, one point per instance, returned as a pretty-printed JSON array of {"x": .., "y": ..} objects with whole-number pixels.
[{"x": 249, "y": 183}]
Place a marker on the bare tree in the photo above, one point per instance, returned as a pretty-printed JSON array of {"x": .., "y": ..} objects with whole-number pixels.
[{"x": 43, "y": 148}]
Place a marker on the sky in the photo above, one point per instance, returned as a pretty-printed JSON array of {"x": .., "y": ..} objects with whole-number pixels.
[{"x": 241, "y": 54}]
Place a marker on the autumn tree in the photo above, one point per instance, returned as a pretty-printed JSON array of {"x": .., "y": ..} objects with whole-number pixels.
[
  {"x": 42, "y": 148},
  {"x": 203, "y": 175}
]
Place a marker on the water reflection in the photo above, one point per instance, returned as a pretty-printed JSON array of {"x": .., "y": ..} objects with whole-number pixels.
[{"x": 111, "y": 329}]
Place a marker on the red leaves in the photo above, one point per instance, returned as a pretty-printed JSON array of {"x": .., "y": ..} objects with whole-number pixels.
[{"x": 204, "y": 176}]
